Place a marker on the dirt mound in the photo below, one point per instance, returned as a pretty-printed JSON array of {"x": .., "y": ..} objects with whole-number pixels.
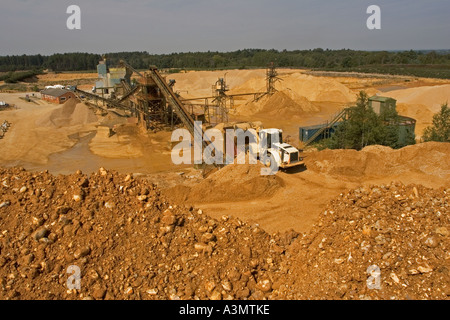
[
  {"x": 313, "y": 88},
  {"x": 431, "y": 158},
  {"x": 282, "y": 104},
  {"x": 200, "y": 83},
  {"x": 400, "y": 231},
  {"x": 430, "y": 96},
  {"x": 421, "y": 113},
  {"x": 71, "y": 113},
  {"x": 317, "y": 88},
  {"x": 235, "y": 181},
  {"x": 127, "y": 240}
]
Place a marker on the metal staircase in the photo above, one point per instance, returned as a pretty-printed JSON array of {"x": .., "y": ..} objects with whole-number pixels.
[{"x": 342, "y": 115}]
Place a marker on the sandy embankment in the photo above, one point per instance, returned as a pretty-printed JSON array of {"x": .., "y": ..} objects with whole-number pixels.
[{"x": 40, "y": 129}]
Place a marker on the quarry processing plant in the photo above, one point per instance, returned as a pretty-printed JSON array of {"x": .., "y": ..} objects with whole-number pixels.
[{"x": 151, "y": 100}]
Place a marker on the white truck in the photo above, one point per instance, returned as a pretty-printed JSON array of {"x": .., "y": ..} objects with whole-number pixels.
[
  {"x": 266, "y": 144},
  {"x": 272, "y": 149}
]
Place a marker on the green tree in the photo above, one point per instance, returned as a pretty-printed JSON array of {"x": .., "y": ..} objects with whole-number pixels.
[
  {"x": 440, "y": 129},
  {"x": 363, "y": 127}
]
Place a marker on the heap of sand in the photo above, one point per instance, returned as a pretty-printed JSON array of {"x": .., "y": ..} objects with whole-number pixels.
[
  {"x": 310, "y": 87},
  {"x": 71, "y": 113},
  {"x": 286, "y": 103},
  {"x": 430, "y": 96},
  {"x": 235, "y": 181},
  {"x": 295, "y": 96},
  {"x": 430, "y": 160}
]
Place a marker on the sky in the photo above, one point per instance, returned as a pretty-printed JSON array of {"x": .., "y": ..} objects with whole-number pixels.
[{"x": 167, "y": 26}]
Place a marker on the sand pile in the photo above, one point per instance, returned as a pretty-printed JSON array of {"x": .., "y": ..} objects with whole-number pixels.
[
  {"x": 431, "y": 159},
  {"x": 295, "y": 95},
  {"x": 403, "y": 230},
  {"x": 235, "y": 181},
  {"x": 287, "y": 103},
  {"x": 421, "y": 113},
  {"x": 284, "y": 103},
  {"x": 71, "y": 113},
  {"x": 430, "y": 96},
  {"x": 313, "y": 88},
  {"x": 317, "y": 88},
  {"x": 200, "y": 83},
  {"x": 253, "y": 85}
]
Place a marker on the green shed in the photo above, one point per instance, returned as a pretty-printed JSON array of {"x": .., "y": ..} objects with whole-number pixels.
[{"x": 380, "y": 104}]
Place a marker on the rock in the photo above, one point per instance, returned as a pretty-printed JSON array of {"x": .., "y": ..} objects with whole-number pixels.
[
  {"x": 431, "y": 242},
  {"x": 339, "y": 261},
  {"x": 23, "y": 189},
  {"x": 366, "y": 231},
  {"x": 77, "y": 197},
  {"x": 5, "y": 204},
  {"x": 264, "y": 285},
  {"x": 110, "y": 205},
  {"x": 37, "y": 221},
  {"x": 99, "y": 293},
  {"x": 152, "y": 292},
  {"x": 380, "y": 239},
  {"x": 40, "y": 233},
  {"x": 82, "y": 252},
  {"x": 207, "y": 237},
  {"x": 243, "y": 293},
  {"x": 395, "y": 278},
  {"x": 443, "y": 231},
  {"x": 227, "y": 286},
  {"x": 422, "y": 269},
  {"x": 129, "y": 291},
  {"x": 216, "y": 295},
  {"x": 169, "y": 220},
  {"x": 416, "y": 192},
  {"x": 209, "y": 286},
  {"x": 413, "y": 271},
  {"x": 142, "y": 197},
  {"x": 257, "y": 295},
  {"x": 202, "y": 247}
]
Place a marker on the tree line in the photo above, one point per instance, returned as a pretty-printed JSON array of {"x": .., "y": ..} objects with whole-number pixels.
[{"x": 324, "y": 59}]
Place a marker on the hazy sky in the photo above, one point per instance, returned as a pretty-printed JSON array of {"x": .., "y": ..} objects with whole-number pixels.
[{"x": 165, "y": 26}]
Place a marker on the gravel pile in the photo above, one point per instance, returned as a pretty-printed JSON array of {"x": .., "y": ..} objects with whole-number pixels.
[
  {"x": 383, "y": 242},
  {"x": 129, "y": 242}
]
